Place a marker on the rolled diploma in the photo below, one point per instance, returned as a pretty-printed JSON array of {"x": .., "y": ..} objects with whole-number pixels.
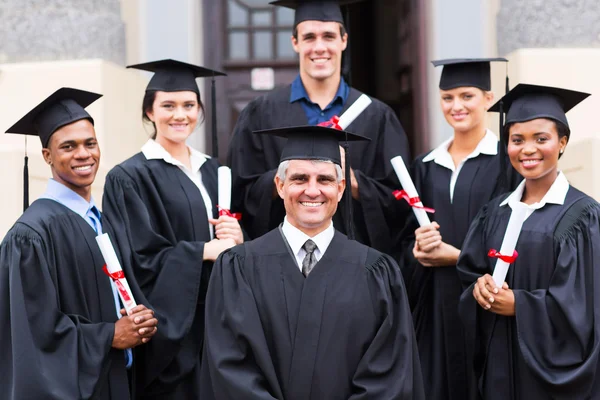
[
  {"x": 511, "y": 236},
  {"x": 224, "y": 197},
  {"x": 114, "y": 266},
  {"x": 354, "y": 111},
  {"x": 409, "y": 188}
]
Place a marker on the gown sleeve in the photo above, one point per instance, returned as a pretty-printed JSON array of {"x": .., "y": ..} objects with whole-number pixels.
[
  {"x": 236, "y": 360},
  {"x": 473, "y": 263},
  {"x": 558, "y": 328},
  {"x": 378, "y": 208},
  {"x": 46, "y": 353},
  {"x": 390, "y": 367},
  {"x": 252, "y": 183},
  {"x": 169, "y": 274},
  {"x": 473, "y": 259}
]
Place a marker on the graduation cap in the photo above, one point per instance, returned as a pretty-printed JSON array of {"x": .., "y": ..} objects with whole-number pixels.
[
  {"x": 315, "y": 10},
  {"x": 319, "y": 143},
  {"x": 461, "y": 72},
  {"x": 526, "y": 102},
  {"x": 176, "y": 76},
  {"x": 326, "y": 11},
  {"x": 63, "y": 107}
]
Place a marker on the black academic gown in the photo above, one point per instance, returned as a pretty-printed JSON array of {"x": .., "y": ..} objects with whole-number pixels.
[
  {"x": 57, "y": 310},
  {"x": 434, "y": 292},
  {"x": 159, "y": 212},
  {"x": 254, "y": 160},
  {"x": 550, "y": 349},
  {"x": 344, "y": 332}
]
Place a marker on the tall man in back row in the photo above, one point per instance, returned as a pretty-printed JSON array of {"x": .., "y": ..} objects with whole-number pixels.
[{"x": 316, "y": 95}]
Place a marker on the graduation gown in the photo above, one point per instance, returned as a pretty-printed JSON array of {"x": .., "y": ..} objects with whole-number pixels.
[
  {"x": 254, "y": 160},
  {"x": 344, "y": 332},
  {"x": 550, "y": 349},
  {"x": 159, "y": 212},
  {"x": 434, "y": 292},
  {"x": 57, "y": 310}
]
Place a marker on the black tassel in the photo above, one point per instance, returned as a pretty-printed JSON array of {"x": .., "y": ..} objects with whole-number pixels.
[
  {"x": 503, "y": 153},
  {"x": 504, "y": 163},
  {"x": 215, "y": 140},
  {"x": 26, "y": 183},
  {"x": 348, "y": 194}
]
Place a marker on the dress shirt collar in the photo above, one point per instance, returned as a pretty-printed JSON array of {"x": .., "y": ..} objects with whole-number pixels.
[
  {"x": 296, "y": 238},
  {"x": 487, "y": 145},
  {"x": 60, "y": 193},
  {"x": 298, "y": 91},
  {"x": 152, "y": 150},
  {"x": 555, "y": 195}
]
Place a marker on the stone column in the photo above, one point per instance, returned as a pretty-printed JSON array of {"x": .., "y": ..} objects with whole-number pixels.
[
  {"x": 46, "y": 30},
  {"x": 547, "y": 24}
]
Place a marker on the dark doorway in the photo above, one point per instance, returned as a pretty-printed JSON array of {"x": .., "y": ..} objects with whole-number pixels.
[{"x": 389, "y": 61}]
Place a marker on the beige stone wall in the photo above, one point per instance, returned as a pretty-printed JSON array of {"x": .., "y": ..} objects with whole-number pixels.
[
  {"x": 183, "y": 19},
  {"x": 574, "y": 69},
  {"x": 132, "y": 14},
  {"x": 117, "y": 119}
]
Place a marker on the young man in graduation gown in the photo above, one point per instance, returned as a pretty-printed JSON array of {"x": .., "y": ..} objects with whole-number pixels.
[
  {"x": 315, "y": 96},
  {"x": 63, "y": 334},
  {"x": 303, "y": 312}
]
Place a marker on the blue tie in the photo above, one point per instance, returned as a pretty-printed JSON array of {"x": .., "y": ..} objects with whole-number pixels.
[{"x": 94, "y": 216}]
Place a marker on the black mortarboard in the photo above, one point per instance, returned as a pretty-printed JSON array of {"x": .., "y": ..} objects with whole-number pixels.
[
  {"x": 176, "y": 76},
  {"x": 315, "y": 10},
  {"x": 526, "y": 102},
  {"x": 461, "y": 72},
  {"x": 319, "y": 143},
  {"x": 312, "y": 142},
  {"x": 63, "y": 107}
]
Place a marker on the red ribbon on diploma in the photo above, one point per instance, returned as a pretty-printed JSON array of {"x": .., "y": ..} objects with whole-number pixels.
[
  {"x": 332, "y": 123},
  {"x": 508, "y": 259},
  {"x": 115, "y": 276},
  {"x": 224, "y": 211},
  {"x": 412, "y": 201}
]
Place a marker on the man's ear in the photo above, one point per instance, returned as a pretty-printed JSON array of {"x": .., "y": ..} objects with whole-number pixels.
[
  {"x": 345, "y": 41},
  {"x": 295, "y": 44},
  {"x": 279, "y": 185},
  {"x": 341, "y": 188},
  {"x": 47, "y": 155}
]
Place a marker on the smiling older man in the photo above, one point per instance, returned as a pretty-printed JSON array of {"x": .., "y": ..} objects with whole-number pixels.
[{"x": 303, "y": 312}]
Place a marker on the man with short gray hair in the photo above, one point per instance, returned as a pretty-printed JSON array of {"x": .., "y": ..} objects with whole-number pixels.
[{"x": 303, "y": 312}]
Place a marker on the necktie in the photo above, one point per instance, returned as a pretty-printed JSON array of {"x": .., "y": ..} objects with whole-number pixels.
[
  {"x": 94, "y": 215},
  {"x": 309, "y": 260}
]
